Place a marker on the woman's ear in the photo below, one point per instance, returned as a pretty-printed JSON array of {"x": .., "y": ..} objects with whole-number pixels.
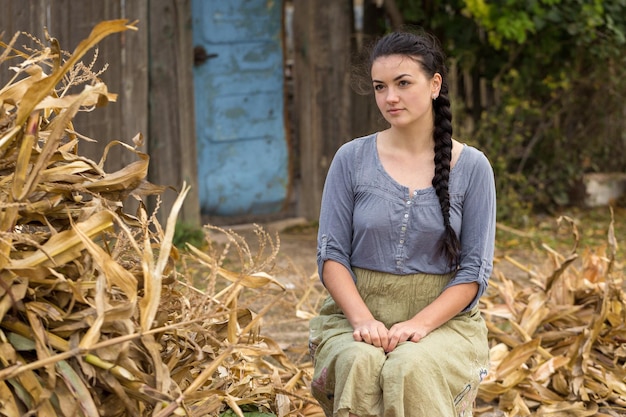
[{"x": 436, "y": 85}]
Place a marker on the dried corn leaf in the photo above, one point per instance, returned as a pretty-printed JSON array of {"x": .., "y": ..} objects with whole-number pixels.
[
  {"x": 77, "y": 386},
  {"x": 7, "y": 399},
  {"x": 32, "y": 393},
  {"x": 565, "y": 409},
  {"x": 42, "y": 88},
  {"x": 65, "y": 246},
  {"x": 534, "y": 313},
  {"x": 544, "y": 372},
  {"x": 516, "y": 358},
  {"x": 23, "y": 159},
  {"x": 114, "y": 273}
]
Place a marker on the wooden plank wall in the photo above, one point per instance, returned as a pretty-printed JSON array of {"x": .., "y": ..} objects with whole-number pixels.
[
  {"x": 161, "y": 106},
  {"x": 322, "y": 94},
  {"x": 171, "y": 104}
]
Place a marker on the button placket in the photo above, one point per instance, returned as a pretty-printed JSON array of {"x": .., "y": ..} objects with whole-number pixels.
[{"x": 403, "y": 227}]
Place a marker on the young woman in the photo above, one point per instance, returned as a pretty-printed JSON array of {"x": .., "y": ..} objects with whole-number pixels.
[{"x": 405, "y": 250}]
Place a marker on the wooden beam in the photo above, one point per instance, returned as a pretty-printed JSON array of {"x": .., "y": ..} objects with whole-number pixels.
[
  {"x": 171, "y": 133},
  {"x": 322, "y": 95}
]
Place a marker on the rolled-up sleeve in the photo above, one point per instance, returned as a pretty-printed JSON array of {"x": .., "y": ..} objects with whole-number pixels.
[
  {"x": 478, "y": 230},
  {"x": 334, "y": 240}
]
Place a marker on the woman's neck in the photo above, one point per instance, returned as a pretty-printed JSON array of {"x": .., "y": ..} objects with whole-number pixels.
[{"x": 413, "y": 140}]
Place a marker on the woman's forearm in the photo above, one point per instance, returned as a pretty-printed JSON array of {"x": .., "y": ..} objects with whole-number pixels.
[
  {"x": 450, "y": 303},
  {"x": 340, "y": 285}
]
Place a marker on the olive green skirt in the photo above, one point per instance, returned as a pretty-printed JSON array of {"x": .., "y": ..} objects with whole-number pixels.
[{"x": 435, "y": 377}]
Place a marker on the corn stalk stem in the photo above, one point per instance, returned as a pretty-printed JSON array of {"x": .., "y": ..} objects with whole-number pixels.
[{"x": 61, "y": 344}]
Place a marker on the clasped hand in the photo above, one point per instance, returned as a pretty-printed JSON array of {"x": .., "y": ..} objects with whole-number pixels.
[{"x": 375, "y": 333}]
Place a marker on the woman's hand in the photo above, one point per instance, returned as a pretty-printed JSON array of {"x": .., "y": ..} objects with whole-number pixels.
[
  {"x": 372, "y": 332},
  {"x": 410, "y": 330}
]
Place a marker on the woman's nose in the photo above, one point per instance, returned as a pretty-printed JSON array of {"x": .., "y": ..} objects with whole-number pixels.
[{"x": 392, "y": 96}]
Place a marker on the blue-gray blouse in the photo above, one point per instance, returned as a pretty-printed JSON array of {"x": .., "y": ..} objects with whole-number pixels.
[{"x": 370, "y": 221}]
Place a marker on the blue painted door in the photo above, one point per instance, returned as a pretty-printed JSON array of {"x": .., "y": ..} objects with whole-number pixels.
[{"x": 239, "y": 103}]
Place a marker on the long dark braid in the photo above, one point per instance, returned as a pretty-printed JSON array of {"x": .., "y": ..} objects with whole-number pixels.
[
  {"x": 450, "y": 244},
  {"x": 425, "y": 50}
]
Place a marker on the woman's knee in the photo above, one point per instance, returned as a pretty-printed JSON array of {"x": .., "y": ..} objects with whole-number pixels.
[
  {"x": 359, "y": 352},
  {"x": 409, "y": 362}
]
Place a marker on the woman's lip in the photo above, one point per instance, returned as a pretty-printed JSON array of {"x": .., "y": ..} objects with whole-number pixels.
[{"x": 393, "y": 111}]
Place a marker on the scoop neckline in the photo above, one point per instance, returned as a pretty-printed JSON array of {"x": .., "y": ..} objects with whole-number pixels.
[{"x": 418, "y": 191}]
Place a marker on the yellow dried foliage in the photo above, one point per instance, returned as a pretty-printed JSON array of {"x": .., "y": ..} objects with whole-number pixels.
[
  {"x": 100, "y": 315},
  {"x": 558, "y": 337}
]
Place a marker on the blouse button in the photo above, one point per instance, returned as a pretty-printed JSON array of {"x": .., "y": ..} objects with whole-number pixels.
[{"x": 406, "y": 216}]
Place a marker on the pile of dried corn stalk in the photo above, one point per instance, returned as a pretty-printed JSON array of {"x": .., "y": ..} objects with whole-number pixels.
[
  {"x": 97, "y": 314},
  {"x": 559, "y": 339}
]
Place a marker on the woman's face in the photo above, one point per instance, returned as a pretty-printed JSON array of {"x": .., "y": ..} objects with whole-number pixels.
[{"x": 403, "y": 91}]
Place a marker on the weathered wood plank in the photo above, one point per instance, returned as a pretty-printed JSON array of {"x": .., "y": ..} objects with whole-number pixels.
[
  {"x": 20, "y": 16},
  {"x": 172, "y": 138},
  {"x": 366, "y": 117},
  {"x": 322, "y": 31}
]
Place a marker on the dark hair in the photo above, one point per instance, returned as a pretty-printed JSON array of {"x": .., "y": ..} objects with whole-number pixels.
[{"x": 425, "y": 50}]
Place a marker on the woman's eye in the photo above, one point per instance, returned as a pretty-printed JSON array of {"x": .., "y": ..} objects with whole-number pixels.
[
  {"x": 378, "y": 87},
  {"x": 403, "y": 83}
]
